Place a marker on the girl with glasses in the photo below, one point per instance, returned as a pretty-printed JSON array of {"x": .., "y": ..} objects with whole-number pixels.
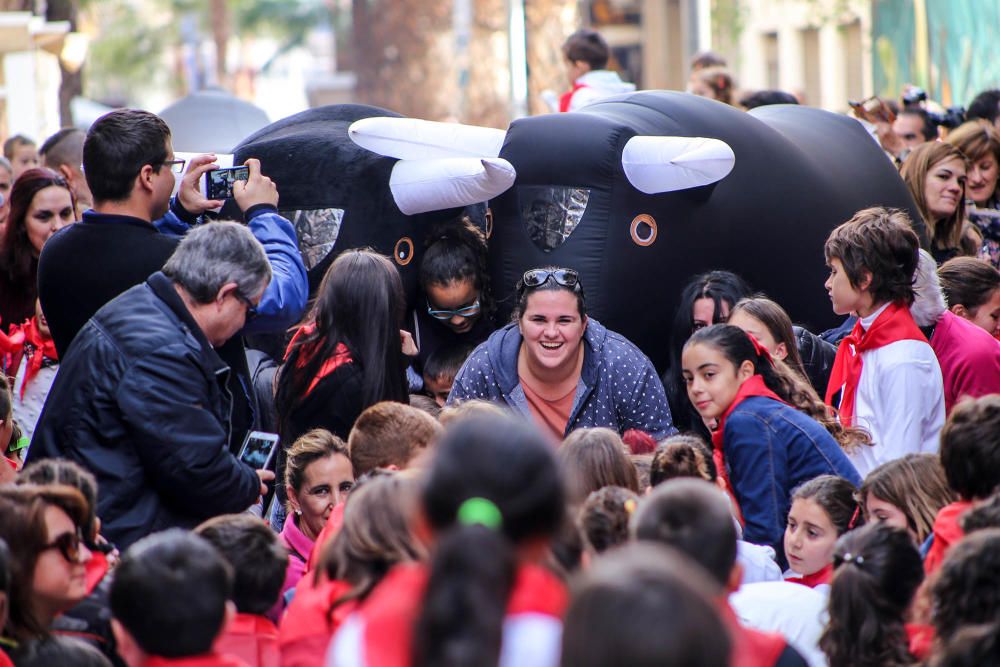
[
  {"x": 456, "y": 308},
  {"x": 42, "y": 526},
  {"x": 564, "y": 370}
]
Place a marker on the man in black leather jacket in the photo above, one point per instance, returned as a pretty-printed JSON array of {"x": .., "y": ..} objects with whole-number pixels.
[{"x": 141, "y": 399}]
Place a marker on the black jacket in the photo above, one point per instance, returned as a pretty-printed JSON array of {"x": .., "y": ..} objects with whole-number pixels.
[
  {"x": 141, "y": 401},
  {"x": 87, "y": 264}
]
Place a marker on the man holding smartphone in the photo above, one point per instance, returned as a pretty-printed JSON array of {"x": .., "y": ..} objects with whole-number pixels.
[
  {"x": 135, "y": 225},
  {"x": 141, "y": 399}
]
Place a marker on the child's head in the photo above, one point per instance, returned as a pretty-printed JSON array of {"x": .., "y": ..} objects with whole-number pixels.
[
  {"x": 822, "y": 510},
  {"x": 440, "y": 370},
  {"x": 683, "y": 455},
  {"x": 907, "y": 493},
  {"x": 587, "y": 47},
  {"x": 170, "y": 596},
  {"x": 872, "y": 259},
  {"x": 643, "y": 464},
  {"x": 768, "y": 322},
  {"x": 693, "y": 517},
  {"x": 257, "y": 556},
  {"x": 375, "y": 534},
  {"x": 715, "y": 83},
  {"x": 390, "y": 435},
  {"x": 644, "y": 605},
  {"x": 967, "y": 588},
  {"x": 454, "y": 275},
  {"x": 717, "y": 360},
  {"x": 972, "y": 646},
  {"x": 6, "y": 414},
  {"x": 425, "y": 403},
  {"x": 492, "y": 486},
  {"x": 593, "y": 458},
  {"x": 972, "y": 289},
  {"x": 970, "y": 447},
  {"x": 318, "y": 477},
  {"x": 22, "y": 153},
  {"x": 605, "y": 516},
  {"x": 471, "y": 408},
  {"x": 877, "y": 572}
]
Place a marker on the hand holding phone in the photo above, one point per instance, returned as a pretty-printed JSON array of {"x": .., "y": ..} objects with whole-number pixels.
[
  {"x": 219, "y": 182},
  {"x": 257, "y": 189}
]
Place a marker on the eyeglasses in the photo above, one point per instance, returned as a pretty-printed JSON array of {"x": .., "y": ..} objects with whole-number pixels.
[
  {"x": 68, "y": 545},
  {"x": 176, "y": 166},
  {"x": 251, "y": 309},
  {"x": 466, "y": 311},
  {"x": 537, "y": 277}
]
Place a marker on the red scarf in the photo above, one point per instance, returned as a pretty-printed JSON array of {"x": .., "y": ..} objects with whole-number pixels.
[
  {"x": 27, "y": 340},
  {"x": 341, "y": 355},
  {"x": 754, "y": 386},
  {"x": 893, "y": 324},
  {"x": 824, "y": 576},
  {"x": 566, "y": 98}
]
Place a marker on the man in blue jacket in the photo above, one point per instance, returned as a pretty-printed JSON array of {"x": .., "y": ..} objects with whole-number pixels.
[
  {"x": 141, "y": 398},
  {"x": 129, "y": 165}
]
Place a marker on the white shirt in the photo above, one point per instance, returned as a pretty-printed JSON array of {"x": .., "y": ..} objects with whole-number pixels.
[
  {"x": 899, "y": 400},
  {"x": 796, "y": 611}
]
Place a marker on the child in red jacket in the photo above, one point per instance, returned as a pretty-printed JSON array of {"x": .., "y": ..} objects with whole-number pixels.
[{"x": 259, "y": 561}]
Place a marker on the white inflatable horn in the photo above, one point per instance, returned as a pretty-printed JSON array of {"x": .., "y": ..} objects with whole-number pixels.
[
  {"x": 419, "y": 186},
  {"x": 414, "y": 139},
  {"x": 667, "y": 164}
]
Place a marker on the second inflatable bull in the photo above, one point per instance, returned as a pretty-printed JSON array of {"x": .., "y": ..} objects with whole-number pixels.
[{"x": 641, "y": 192}]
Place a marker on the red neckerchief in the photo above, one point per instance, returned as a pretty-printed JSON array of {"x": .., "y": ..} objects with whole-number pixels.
[
  {"x": 341, "y": 355},
  {"x": 824, "y": 576},
  {"x": 921, "y": 639},
  {"x": 893, "y": 324},
  {"x": 566, "y": 98},
  {"x": 753, "y": 386},
  {"x": 38, "y": 350},
  {"x": 392, "y": 608},
  {"x": 95, "y": 569}
]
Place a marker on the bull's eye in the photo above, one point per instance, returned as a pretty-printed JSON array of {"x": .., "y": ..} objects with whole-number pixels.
[
  {"x": 643, "y": 230},
  {"x": 403, "y": 252},
  {"x": 489, "y": 222}
]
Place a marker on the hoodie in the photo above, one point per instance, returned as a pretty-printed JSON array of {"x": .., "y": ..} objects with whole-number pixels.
[
  {"x": 968, "y": 355},
  {"x": 594, "y": 86},
  {"x": 618, "y": 386}
]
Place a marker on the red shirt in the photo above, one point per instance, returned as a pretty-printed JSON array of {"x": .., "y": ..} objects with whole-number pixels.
[
  {"x": 308, "y": 625},
  {"x": 251, "y": 638},
  {"x": 946, "y": 533}
]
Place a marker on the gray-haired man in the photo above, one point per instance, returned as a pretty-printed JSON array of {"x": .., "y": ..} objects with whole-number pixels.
[{"x": 141, "y": 399}]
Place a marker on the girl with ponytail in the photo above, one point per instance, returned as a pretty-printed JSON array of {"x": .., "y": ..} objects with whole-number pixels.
[
  {"x": 877, "y": 573},
  {"x": 767, "y": 440},
  {"x": 457, "y": 306},
  {"x": 492, "y": 499}
]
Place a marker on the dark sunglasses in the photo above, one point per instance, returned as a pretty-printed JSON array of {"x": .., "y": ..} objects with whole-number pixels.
[
  {"x": 68, "y": 545},
  {"x": 564, "y": 277},
  {"x": 251, "y": 309}
]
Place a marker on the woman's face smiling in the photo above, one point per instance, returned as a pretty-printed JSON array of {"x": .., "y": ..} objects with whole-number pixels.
[
  {"x": 552, "y": 329},
  {"x": 712, "y": 380},
  {"x": 982, "y": 179}
]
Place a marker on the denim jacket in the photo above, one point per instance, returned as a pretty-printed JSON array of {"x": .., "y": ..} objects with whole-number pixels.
[
  {"x": 771, "y": 448},
  {"x": 618, "y": 385}
]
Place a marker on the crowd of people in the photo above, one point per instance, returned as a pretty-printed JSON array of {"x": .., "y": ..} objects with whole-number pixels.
[{"x": 450, "y": 489}]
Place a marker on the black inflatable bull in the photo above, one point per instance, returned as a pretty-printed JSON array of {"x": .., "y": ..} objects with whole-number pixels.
[
  {"x": 340, "y": 196},
  {"x": 640, "y": 192}
]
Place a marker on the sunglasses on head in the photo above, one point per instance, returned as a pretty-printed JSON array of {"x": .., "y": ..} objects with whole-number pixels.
[
  {"x": 538, "y": 277},
  {"x": 68, "y": 545}
]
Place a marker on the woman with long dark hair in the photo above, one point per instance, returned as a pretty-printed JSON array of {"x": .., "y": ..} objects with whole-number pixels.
[
  {"x": 41, "y": 204},
  {"x": 346, "y": 355}
]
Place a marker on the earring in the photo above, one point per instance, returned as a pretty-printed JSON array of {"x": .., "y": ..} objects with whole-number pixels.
[{"x": 299, "y": 512}]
